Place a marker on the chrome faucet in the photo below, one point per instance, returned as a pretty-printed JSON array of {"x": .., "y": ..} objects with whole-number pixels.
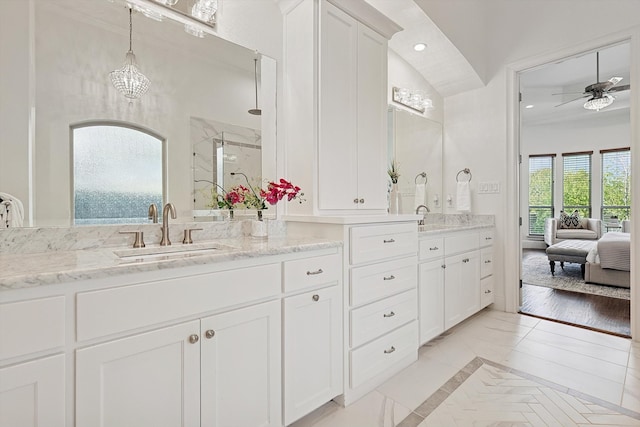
[
  {"x": 165, "y": 223},
  {"x": 153, "y": 213},
  {"x": 421, "y": 222}
]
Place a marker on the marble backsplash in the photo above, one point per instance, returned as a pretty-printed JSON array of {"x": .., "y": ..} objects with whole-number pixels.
[{"x": 46, "y": 239}]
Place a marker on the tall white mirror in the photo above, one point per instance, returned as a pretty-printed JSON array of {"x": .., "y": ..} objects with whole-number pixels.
[
  {"x": 415, "y": 143},
  {"x": 59, "y": 61}
]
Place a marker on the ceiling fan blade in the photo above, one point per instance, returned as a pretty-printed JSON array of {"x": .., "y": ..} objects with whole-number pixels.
[
  {"x": 570, "y": 93},
  {"x": 566, "y": 102},
  {"x": 619, "y": 88},
  {"x": 615, "y": 80}
]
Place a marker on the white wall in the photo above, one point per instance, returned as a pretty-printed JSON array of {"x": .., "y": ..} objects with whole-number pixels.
[{"x": 475, "y": 134}]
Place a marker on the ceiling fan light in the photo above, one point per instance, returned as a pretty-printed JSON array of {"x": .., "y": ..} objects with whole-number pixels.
[{"x": 598, "y": 103}]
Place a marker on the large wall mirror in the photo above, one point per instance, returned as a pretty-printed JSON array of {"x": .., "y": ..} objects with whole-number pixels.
[
  {"x": 195, "y": 84},
  {"x": 415, "y": 143}
]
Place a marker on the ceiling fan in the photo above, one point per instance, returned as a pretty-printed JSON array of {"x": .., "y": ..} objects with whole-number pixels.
[{"x": 599, "y": 93}]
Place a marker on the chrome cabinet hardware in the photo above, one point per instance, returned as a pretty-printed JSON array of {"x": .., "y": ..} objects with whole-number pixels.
[
  {"x": 488, "y": 291},
  {"x": 194, "y": 338},
  {"x": 488, "y": 261},
  {"x": 209, "y": 333},
  {"x": 488, "y": 238},
  {"x": 361, "y": 200},
  {"x": 389, "y": 277},
  {"x": 443, "y": 266},
  {"x": 465, "y": 260},
  {"x": 389, "y": 241},
  {"x": 139, "y": 239},
  {"x": 355, "y": 201},
  {"x": 435, "y": 248},
  {"x": 391, "y": 350},
  {"x": 187, "y": 235},
  {"x": 390, "y": 314},
  {"x": 316, "y": 297},
  {"x": 312, "y": 273}
]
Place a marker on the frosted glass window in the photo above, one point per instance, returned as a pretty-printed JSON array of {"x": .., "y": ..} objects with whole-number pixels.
[{"x": 117, "y": 174}]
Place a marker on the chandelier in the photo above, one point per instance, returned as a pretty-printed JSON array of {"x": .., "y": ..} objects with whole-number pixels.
[
  {"x": 598, "y": 103},
  {"x": 128, "y": 79},
  {"x": 413, "y": 100}
]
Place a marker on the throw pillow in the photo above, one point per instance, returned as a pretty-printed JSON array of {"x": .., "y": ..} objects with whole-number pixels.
[{"x": 570, "y": 221}]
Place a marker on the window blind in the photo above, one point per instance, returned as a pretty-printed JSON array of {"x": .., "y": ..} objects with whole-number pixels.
[
  {"x": 616, "y": 184},
  {"x": 540, "y": 192},
  {"x": 576, "y": 183}
]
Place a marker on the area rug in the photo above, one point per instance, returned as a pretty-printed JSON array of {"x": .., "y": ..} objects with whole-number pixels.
[
  {"x": 485, "y": 393},
  {"x": 536, "y": 271}
]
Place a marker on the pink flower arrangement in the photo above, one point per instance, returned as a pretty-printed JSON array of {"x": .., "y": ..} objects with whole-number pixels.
[{"x": 278, "y": 191}]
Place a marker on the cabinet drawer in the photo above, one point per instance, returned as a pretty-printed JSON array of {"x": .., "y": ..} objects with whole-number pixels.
[
  {"x": 377, "y": 319},
  {"x": 31, "y": 326},
  {"x": 461, "y": 243},
  {"x": 486, "y": 238},
  {"x": 379, "y": 242},
  {"x": 486, "y": 262},
  {"x": 486, "y": 291},
  {"x": 381, "y": 354},
  {"x": 377, "y": 281},
  {"x": 110, "y": 311},
  {"x": 309, "y": 272},
  {"x": 431, "y": 248}
]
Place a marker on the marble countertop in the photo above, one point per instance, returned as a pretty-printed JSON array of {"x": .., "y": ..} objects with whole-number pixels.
[
  {"x": 38, "y": 269},
  {"x": 430, "y": 229}
]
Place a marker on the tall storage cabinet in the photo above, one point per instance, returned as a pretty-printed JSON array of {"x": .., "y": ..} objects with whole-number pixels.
[{"x": 342, "y": 114}]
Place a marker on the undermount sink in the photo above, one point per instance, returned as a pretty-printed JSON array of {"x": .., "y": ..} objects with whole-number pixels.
[{"x": 159, "y": 253}]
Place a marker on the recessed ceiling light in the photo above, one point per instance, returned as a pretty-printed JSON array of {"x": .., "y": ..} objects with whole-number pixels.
[
  {"x": 419, "y": 47},
  {"x": 530, "y": 106}
]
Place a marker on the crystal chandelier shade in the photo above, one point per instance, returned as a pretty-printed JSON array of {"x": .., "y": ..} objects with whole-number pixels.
[
  {"x": 598, "y": 103},
  {"x": 415, "y": 101},
  {"x": 205, "y": 10},
  {"x": 128, "y": 79}
]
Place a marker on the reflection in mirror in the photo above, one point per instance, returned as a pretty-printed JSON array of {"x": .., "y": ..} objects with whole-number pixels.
[
  {"x": 218, "y": 150},
  {"x": 75, "y": 45},
  {"x": 416, "y": 145},
  {"x": 107, "y": 159}
]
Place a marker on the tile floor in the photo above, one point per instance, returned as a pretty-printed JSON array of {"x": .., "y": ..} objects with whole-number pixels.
[{"x": 601, "y": 372}]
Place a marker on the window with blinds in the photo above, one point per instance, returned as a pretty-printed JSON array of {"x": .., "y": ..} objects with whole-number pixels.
[
  {"x": 616, "y": 184},
  {"x": 576, "y": 183},
  {"x": 540, "y": 192}
]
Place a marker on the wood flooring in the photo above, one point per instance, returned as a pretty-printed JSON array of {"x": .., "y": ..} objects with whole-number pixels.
[{"x": 604, "y": 314}]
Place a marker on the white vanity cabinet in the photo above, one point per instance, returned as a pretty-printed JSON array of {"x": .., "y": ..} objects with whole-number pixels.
[
  {"x": 486, "y": 269},
  {"x": 312, "y": 357},
  {"x": 338, "y": 74},
  {"x": 32, "y": 366}
]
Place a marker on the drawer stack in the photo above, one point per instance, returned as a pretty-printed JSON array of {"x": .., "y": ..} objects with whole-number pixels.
[{"x": 382, "y": 330}]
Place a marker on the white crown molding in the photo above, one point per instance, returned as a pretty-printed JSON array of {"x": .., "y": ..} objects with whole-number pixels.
[{"x": 368, "y": 15}]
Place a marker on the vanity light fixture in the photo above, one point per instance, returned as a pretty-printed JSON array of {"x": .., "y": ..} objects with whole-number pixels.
[
  {"x": 128, "y": 79},
  {"x": 205, "y": 10},
  {"x": 414, "y": 100}
]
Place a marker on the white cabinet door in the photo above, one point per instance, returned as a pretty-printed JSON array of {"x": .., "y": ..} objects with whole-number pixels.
[
  {"x": 32, "y": 393},
  {"x": 337, "y": 152},
  {"x": 241, "y": 370},
  {"x": 470, "y": 286},
  {"x": 150, "y": 379},
  {"x": 461, "y": 287},
  {"x": 431, "y": 300},
  {"x": 372, "y": 119},
  {"x": 312, "y": 351}
]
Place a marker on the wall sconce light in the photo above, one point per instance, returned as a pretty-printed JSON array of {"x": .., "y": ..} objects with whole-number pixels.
[{"x": 413, "y": 100}]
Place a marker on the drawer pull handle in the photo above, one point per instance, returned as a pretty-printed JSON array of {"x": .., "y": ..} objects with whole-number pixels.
[
  {"x": 435, "y": 248},
  {"x": 194, "y": 338},
  {"x": 209, "y": 333},
  {"x": 391, "y": 314},
  {"x": 391, "y": 350},
  {"x": 488, "y": 238},
  {"x": 488, "y": 291},
  {"x": 488, "y": 261},
  {"x": 316, "y": 297},
  {"x": 389, "y": 241},
  {"x": 389, "y": 277},
  {"x": 312, "y": 273}
]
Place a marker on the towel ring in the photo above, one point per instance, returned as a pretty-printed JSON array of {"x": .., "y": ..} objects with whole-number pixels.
[
  {"x": 466, "y": 171},
  {"x": 421, "y": 174}
]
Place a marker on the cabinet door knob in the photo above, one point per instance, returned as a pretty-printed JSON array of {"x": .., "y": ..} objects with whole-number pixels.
[
  {"x": 316, "y": 297},
  {"x": 488, "y": 261},
  {"x": 391, "y": 350},
  {"x": 194, "y": 338},
  {"x": 390, "y": 314},
  {"x": 318, "y": 271},
  {"x": 488, "y": 291},
  {"x": 443, "y": 266},
  {"x": 389, "y": 241},
  {"x": 355, "y": 201},
  {"x": 361, "y": 200},
  {"x": 389, "y": 277},
  {"x": 209, "y": 333}
]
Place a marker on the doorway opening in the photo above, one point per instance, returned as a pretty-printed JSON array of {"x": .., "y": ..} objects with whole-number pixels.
[{"x": 575, "y": 188}]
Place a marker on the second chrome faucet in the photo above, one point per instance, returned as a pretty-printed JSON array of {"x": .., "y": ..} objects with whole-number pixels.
[{"x": 168, "y": 209}]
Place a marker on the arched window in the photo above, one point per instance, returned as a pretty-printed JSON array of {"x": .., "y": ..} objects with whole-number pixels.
[{"x": 118, "y": 171}]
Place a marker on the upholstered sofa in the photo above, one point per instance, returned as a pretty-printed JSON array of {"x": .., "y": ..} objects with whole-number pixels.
[{"x": 553, "y": 234}]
